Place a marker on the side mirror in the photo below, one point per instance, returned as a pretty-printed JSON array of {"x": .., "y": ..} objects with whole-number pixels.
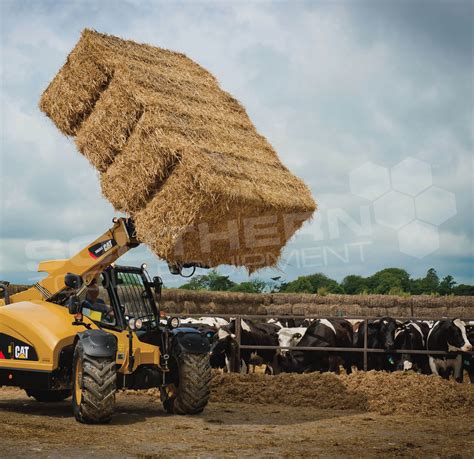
[
  {"x": 73, "y": 305},
  {"x": 73, "y": 281},
  {"x": 158, "y": 285},
  {"x": 4, "y": 290}
]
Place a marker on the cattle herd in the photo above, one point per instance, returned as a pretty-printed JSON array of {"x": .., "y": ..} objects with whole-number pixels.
[{"x": 293, "y": 341}]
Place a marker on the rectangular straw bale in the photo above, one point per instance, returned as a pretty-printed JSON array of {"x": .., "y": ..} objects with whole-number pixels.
[
  {"x": 72, "y": 94},
  {"x": 144, "y": 164},
  {"x": 107, "y": 129},
  {"x": 177, "y": 153}
]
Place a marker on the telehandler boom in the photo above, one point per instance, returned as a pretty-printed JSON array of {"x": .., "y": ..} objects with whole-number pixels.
[{"x": 87, "y": 263}]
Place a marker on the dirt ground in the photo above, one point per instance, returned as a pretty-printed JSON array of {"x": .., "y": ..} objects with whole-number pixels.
[{"x": 141, "y": 428}]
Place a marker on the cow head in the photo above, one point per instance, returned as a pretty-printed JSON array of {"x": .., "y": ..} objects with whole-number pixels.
[
  {"x": 223, "y": 342},
  {"x": 409, "y": 336},
  {"x": 386, "y": 333},
  {"x": 457, "y": 336},
  {"x": 288, "y": 337}
]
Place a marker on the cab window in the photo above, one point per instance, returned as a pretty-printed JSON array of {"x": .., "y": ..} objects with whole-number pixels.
[{"x": 96, "y": 304}]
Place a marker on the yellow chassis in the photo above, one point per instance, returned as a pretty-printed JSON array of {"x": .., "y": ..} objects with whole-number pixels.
[{"x": 45, "y": 328}]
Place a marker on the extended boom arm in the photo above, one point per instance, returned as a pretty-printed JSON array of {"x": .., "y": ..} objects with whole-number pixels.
[{"x": 87, "y": 263}]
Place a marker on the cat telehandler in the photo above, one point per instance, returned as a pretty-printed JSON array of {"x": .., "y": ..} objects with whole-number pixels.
[{"x": 91, "y": 327}]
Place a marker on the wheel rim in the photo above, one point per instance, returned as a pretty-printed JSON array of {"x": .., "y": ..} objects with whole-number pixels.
[{"x": 78, "y": 382}]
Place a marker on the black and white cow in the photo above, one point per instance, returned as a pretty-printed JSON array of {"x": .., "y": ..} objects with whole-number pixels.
[
  {"x": 251, "y": 333},
  {"x": 321, "y": 333},
  {"x": 380, "y": 335},
  {"x": 411, "y": 336},
  {"x": 285, "y": 322},
  {"x": 468, "y": 359},
  {"x": 216, "y": 322},
  {"x": 448, "y": 336}
]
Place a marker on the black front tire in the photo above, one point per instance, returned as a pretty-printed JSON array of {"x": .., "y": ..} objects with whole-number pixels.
[
  {"x": 48, "y": 396},
  {"x": 94, "y": 387},
  {"x": 192, "y": 388}
]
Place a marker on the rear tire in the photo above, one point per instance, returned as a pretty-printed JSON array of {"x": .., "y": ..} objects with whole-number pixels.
[
  {"x": 193, "y": 386},
  {"x": 48, "y": 396},
  {"x": 94, "y": 387}
]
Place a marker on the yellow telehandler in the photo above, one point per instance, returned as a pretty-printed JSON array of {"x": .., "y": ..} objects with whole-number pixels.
[{"x": 91, "y": 327}]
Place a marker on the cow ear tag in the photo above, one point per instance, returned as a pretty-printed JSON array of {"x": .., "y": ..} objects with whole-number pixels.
[{"x": 391, "y": 361}]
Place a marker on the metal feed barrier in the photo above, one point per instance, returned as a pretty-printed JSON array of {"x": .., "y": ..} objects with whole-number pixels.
[{"x": 365, "y": 350}]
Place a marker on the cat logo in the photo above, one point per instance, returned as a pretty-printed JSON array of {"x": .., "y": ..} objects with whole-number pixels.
[{"x": 21, "y": 352}]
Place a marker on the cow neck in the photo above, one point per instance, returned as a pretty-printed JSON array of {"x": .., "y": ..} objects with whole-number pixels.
[{"x": 438, "y": 337}]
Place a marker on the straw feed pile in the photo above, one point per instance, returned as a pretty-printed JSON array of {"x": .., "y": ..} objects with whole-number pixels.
[
  {"x": 177, "y": 153},
  {"x": 385, "y": 393}
]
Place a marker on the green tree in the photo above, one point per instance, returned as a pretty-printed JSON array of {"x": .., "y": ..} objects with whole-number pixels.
[
  {"x": 252, "y": 286},
  {"x": 464, "y": 290},
  {"x": 386, "y": 283},
  {"x": 430, "y": 283},
  {"x": 416, "y": 286},
  {"x": 446, "y": 286},
  {"x": 393, "y": 281},
  {"x": 382, "y": 281},
  {"x": 212, "y": 281},
  {"x": 320, "y": 280},
  {"x": 354, "y": 285},
  {"x": 311, "y": 284},
  {"x": 216, "y": 282},
  {"x": 300, "y": 285},
  {"x": 195, "y": 283}
]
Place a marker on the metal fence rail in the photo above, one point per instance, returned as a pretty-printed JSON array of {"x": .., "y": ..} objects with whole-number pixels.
[{"x": 365, "y": 350}]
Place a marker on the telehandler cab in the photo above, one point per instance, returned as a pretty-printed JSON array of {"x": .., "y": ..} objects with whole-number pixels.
[{"x": 89, "y": 328}]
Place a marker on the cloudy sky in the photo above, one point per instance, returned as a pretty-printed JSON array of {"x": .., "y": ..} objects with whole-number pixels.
[{"x": 369, "y": 102}]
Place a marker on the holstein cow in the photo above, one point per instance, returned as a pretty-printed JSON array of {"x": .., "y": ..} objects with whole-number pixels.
[
  {"x": 468, "y": 359},
  {"x": 448, "y": 336},
  {"x": 211, "y": 321},
  {"x": 411, "y": 336},
  {"x": 321, "y": 333},
  {"x": 257, "y": 334},
  {"x": 380, "y": 335},
  {"x": 285, "y": 322}
]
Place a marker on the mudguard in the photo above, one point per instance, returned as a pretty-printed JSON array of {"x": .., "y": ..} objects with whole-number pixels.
[
  {"x": 98, "y": 343},
  {"x": 189, "y": 340}
]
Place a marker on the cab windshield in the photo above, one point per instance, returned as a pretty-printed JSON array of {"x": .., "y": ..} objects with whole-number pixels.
[{"x": 135, "y": 298}]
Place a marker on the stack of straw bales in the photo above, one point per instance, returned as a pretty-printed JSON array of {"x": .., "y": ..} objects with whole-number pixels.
[
  {"x": 282, "y": 304},
  {"x": 177, "y": 153}
]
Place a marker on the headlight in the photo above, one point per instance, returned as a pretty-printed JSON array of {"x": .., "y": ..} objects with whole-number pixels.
[
  {"x": 174, "y": 322},
  {"x": 131, "y": 323},
  {"x": 138, "y": 324}
]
